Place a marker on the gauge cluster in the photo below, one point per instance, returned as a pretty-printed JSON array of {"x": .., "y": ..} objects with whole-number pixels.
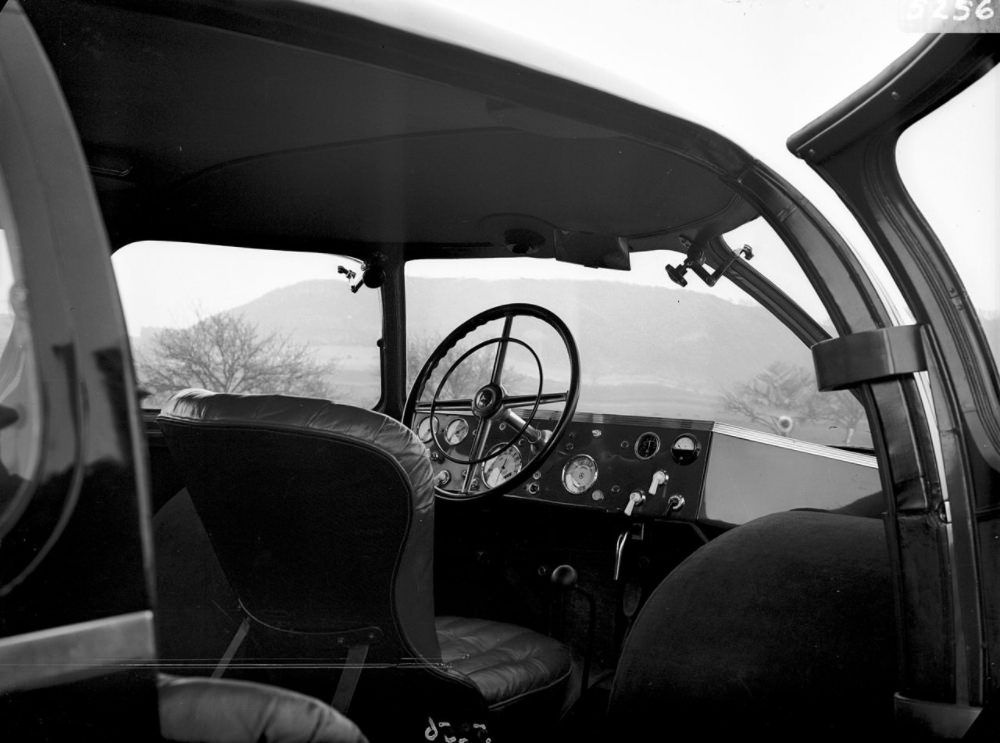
[
  {"x": 603, "y": 460},
  {"x": 601, "y": 463},
  {"x": 448, "y": 438}
]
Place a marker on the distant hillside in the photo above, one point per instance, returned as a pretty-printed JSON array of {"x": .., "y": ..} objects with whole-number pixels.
[{"x": 695, "y": 341}]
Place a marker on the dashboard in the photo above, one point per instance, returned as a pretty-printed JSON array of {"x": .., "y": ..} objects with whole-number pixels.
[{"x": 660, "y": 468}]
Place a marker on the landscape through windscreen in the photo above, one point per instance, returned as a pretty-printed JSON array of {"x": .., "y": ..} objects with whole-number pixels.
[{"x": 645, "y": 350}]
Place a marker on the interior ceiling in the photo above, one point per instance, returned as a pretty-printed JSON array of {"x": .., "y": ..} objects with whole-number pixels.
[{"x": 196, "y": 133}]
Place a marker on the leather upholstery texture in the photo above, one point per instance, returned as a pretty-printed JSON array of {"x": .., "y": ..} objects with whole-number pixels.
[
  {"x": 287, "y": 486},
  {"x": 198, "y": 710},
  {"x": 506, "y": 662}
]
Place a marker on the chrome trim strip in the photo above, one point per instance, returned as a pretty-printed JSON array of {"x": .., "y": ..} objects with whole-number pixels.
[
  {"x": 806, "y": 447},
  {"x": 75, "y": 651},
  {"x": 646, "y": 422}
]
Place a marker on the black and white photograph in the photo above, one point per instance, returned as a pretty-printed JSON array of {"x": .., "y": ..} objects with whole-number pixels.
[{"x": 499, "y": 371}]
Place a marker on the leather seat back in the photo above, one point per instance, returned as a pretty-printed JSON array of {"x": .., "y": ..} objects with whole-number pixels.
[{"x": 321, "y": 514}]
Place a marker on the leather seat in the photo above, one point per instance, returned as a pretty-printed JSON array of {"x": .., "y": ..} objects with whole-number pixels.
[
  {"x": 199, "y": 710},
  {"x": 508, "y": 664},
  {"x": 322, "y": 517}
]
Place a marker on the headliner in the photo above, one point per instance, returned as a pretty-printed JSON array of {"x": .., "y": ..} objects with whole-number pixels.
[{"x": 199, "y": 133}]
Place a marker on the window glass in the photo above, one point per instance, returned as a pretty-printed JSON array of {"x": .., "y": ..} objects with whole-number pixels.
[
  {"x": 249, "y": 321},
  {"x": 775, "y": 262},
  {"x": 20, "y": 409},
  {"x": 948, "y": 162},
  {"x": 647, "y": 347}
]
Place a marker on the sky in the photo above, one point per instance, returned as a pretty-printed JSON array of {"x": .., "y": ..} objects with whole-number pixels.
[{"x": 756, "y": 70}]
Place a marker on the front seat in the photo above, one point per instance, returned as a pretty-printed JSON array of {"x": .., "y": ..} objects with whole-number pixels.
[
  {"x": 781, "y": 629},
  {"x": 322, "y": 518},
  {"x": 200, "y": 710}
]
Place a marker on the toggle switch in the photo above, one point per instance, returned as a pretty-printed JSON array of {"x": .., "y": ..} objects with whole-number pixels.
[
  {"x": 659, "y": 478},
  {"x": 635, "y": 498}
]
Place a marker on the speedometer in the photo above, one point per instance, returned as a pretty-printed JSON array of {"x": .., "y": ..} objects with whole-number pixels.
[
  {"x": 504, "y": 465},
  {"x": 579, "y": 474}
]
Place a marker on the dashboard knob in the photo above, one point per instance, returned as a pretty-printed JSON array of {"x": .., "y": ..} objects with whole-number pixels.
[
  {"x": 659, "y": 478},
  {"x": 564, "y": 576},
  {"x": 635, "y": 498}
]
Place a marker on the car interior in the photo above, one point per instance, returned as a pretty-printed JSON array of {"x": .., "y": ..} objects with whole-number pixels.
[{"x": 493, "y": 552}]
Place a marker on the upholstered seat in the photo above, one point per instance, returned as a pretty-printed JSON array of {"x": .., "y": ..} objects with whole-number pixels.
[
  {"x": 200, "y": 710},
  {"x": 782, "y": 629},
  {"x": 507, "y": 663},
  {"x": 322, "y": 518}
]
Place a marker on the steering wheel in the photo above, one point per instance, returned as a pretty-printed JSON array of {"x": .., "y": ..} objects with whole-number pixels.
[{"x": 493, "y": 408}]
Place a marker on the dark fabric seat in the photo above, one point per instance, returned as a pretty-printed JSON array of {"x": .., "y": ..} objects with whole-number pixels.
[
  {"x": 782, "y": 629},
  {"x": 322, "y": 518}
]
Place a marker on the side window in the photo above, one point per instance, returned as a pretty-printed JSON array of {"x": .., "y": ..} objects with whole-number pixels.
[
  {"x": 238, "y": 320},
  {"x": 20, "y": 408},
  {"x": 948, "y": 163}
]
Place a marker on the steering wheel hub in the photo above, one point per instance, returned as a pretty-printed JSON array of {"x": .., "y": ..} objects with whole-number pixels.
[{"x": 487, "y": 401}]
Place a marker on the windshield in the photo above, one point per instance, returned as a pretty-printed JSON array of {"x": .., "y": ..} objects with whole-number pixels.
[{"x": 647, "y": 347}]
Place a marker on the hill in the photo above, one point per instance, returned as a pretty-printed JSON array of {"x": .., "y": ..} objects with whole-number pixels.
[{"x": 693, "y": 343}]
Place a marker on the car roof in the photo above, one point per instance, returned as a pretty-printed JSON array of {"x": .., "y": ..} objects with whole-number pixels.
[{"x": 288, "y": 126}]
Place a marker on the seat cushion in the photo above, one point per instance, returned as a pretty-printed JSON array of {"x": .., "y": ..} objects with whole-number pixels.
[{"x": 511, "y": 665}]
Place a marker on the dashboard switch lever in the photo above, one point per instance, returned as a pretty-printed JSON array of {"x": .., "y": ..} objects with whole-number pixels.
[
  {"x": 619, "y": 552},
  {"x": 635, "y": 498},
  {"x": 659, "y": 478}
]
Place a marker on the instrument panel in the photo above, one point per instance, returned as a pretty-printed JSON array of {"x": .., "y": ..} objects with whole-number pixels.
[
  {"x": 660, "y": 468},
  {"x": 603, "y": 462}
]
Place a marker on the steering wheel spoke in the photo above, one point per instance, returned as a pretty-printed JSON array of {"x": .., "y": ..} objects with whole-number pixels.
[
  {"x": 480, "y": 440},
  {"x": 501, "y": 356},
  {"x": 446, "y": 406},
  {"x": 522, "y": 401}
]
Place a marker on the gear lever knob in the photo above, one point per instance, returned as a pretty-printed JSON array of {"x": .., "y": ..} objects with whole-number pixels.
[{"x": 564, "y": 576}]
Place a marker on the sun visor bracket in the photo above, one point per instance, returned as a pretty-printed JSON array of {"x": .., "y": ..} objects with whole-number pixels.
[
  {"x": 592, "y": 250},
  {"x": 850, "y": 360}
]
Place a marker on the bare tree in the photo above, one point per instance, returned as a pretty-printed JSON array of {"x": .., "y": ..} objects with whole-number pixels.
[
  {"x": 841, "y": 409},
  {"x": 780, "y": 392},
  {"x": 227, "y": 353},
  {"x": 474, "y": 371},
  {"x": 783, "y": 393}
]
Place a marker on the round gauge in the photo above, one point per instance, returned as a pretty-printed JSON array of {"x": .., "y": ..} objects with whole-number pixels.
[
  {"x": 579, "y": 474},
  {"x": 501, "y": 467},
  {"x": 424, "y": 429},
  {"x": 647, "y": 445},
  {"x": 685, "y": 449},
  {"x": 456, "y": 431}
]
